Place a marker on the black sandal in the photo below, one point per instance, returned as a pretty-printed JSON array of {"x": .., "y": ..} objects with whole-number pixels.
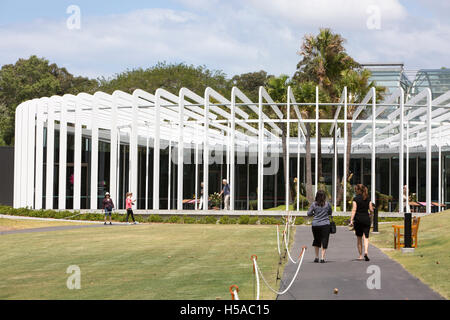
[
  {"x": 366, "y": 257},
  {"x": 316, "y": 260}
]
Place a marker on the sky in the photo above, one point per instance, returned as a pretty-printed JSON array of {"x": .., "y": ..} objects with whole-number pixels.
[{"x": 234, "y": 36}]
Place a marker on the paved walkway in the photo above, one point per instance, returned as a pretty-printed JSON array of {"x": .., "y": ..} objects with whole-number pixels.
[
  {"x": 55, "y": 228},
  {"x": 348, "y": 275}
]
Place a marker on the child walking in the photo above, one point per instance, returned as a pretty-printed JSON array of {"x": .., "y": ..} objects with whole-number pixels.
[{"x": 129, "y": 206}]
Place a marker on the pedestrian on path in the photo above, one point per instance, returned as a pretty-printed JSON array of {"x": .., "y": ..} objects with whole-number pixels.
[
  {"x": 321, "y": 210},
  {"x": 108, "y": 205},
  {"x": 360, "y": 219},
  {"x": 129, "y": 206}
]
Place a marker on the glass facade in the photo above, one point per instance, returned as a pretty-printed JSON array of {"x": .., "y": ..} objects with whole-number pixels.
[{"x": 438, "y": 80}]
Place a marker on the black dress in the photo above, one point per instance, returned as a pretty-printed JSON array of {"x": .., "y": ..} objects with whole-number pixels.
[{"x": 361, "y": 220}]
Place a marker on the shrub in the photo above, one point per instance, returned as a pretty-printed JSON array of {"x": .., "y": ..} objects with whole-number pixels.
[
  {"x": 341, "y": 220},
  {"x": 207, "y": 220},
  {"x": 253, "y": 220},
  {"x": 244, "y": 219},
  {"x": 227, "y": 220},
  {"x": 270, "y": 220},
  {"x": 299, "y": 220},
  {"x": 174, "y": 219},
  {"x": 189, "y": 220},
  {"x": 155, "y": 218}
]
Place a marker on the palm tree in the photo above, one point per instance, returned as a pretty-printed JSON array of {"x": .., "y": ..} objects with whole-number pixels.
[
  {"x": 324, "y": 59},
  {"x": 358, "y": 85}
]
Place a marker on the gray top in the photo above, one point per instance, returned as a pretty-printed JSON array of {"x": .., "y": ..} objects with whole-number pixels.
[{"x": 320, "y": 214}]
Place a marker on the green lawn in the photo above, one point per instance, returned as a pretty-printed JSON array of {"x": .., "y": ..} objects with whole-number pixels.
[
  {"x": 430, "y": 261},
  {"x": 152, "y": 261}
]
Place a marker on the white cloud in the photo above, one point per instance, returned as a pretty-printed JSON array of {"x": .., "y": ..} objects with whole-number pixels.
[{"x": 232, "y": 36}]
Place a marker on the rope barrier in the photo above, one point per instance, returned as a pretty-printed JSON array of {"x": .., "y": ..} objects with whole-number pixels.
[
  {"x": 259, "y": 272},
  {"x": 234, "y": 289}
]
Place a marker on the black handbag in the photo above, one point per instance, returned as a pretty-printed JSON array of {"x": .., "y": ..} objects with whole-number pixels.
[{"x": 332, "y": 225}]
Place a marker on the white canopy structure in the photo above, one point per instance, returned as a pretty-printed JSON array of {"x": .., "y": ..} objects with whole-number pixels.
[{"x": 204, "y": 125}]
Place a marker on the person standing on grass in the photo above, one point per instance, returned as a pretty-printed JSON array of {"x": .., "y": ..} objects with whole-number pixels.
[
  {"x": 129, "y": 206},
  {"x": 360, "y": 219},
  {"x": 108, "y": 205},
  {"x": 321, "y": 210},
  {"x": 226, "y": 192}
]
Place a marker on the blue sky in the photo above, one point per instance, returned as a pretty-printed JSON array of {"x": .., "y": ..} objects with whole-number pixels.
[{"x": 233, "y": 36}]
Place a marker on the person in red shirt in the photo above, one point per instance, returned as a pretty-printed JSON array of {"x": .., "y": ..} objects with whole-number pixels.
[{"x": 129, "y": 206}]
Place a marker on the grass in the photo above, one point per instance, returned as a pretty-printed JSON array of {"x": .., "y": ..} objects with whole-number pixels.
[
  {"x": 151, "y": 261},
  {"x": 12, "y": 224},
  {"x": 430, "y": 261}
]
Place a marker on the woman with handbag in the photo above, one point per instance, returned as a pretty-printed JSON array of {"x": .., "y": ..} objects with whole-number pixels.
[
  {"x": 321, "y": 210},
  {"x": 360, "y": 219}
]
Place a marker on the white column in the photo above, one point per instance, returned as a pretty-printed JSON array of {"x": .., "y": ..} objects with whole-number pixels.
[
  {"x": 206, "y": 151},
  {"x": 232, "y": 149},
  {"x": 17, "y": 149},
  {"x": 439, "y": 170},
  {"x": 373, "y": 160},
  {"x": 133, "y": 179},
  {"x": 62, "y": 155},
  {"x": 260, "y": 153},
  {"x": 50, "y": 155},
  {"x": 94, "y": 155},
  {"x": 298, "y": 166},
  {"x": 114, "y": 152},
  {"x": 77, "y": 158},
  {"x": 428, "y": 164},
  {"x": 401, "y": 153},
  {"x": 335, "y": 179},
  {"x": 196, "y": 170},
  {"x": 345, "y": 151},
  {"x": 30, "y": 153},
  {"x": 169, "y": 180},
  {"x": 146, "y": 166},
  {"x": 316, "y": 169},
  {"x": 407, "y": 165},
  {"x": 180, "y": 150},
  {"x": 39, "y": 155},
  {"x": 24, "y": 154},
  {"x": 287, "y": 147},
  {"x": 156, "y": 151}
]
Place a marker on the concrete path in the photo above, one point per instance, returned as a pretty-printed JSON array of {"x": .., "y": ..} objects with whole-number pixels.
[{"x": 344, "y": 272}]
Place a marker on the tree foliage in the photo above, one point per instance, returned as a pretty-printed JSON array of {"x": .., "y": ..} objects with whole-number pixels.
[{"x": 33, "y": 78}]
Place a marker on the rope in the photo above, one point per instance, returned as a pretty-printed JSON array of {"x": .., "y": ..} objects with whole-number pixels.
[
  {"x": 289, "y": 255},
  {"x": 259, "y": 272},
  {"x": 278, "y": 241}
]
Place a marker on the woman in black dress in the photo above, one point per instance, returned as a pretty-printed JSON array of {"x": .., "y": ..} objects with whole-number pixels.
[{"x": 361, "y": 219}]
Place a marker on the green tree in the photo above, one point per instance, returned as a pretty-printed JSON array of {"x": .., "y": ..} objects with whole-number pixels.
[
  {"x": 323, "y": 60},
  {"x": 358, "y": 85},
  {"x": 305, "y": 92},
  {"x": 171, "y": 77},
  {"x": 33, "y": 78},
  {"x": 250, "y": 82}
]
